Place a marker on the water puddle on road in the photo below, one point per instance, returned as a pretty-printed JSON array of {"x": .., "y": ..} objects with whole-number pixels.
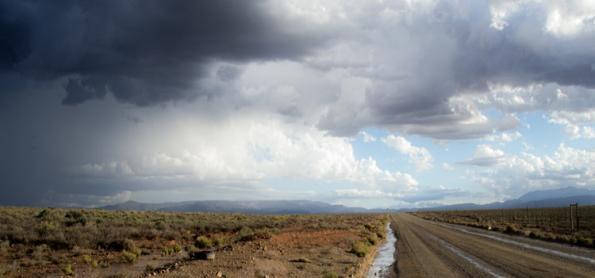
[{"x": 385, "y": 256}]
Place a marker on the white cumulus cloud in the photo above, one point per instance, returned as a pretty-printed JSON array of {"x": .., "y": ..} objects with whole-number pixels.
[
  {"x": 511, "y": 174},
  {"x": 418, "y": 156}
]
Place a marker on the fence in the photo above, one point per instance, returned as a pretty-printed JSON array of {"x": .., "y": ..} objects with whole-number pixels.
[{"x": 568, "y": 219}]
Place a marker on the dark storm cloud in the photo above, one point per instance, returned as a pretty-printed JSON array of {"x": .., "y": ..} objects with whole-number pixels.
[
  {"x": 521, "y": 52},
  {"x": 407, "y": 66},
  {"x": 142, "y": 52},
  {"x": 452, "y": 49},
  {"x": 508, "y": 56},
  {"x": 227, "y": 73}
]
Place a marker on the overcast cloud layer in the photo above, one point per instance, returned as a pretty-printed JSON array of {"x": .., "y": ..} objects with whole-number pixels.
[{"x": 110, "y": 100}]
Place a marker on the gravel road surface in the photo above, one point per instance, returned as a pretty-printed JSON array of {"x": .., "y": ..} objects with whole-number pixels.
[{"x": 431, "y": 249}]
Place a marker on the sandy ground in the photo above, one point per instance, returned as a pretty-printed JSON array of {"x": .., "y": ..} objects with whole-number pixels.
[{"x": 430, "y": 249}]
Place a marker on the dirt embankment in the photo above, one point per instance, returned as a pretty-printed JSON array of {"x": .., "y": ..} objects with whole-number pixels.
[{"x": 429, "y": 249}]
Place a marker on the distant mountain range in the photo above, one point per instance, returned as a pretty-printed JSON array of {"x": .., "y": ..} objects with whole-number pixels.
[
  {"x": 535, "y": 199},
  {"x": 257, "y": 207}
]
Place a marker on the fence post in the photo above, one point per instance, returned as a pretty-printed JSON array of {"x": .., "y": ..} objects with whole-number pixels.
[
  {"x": 573, "y": 217},
  {"x": 576, "y": 214}
]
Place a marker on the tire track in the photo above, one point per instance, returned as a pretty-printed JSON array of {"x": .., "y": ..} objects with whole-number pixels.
[
  {"x": 527, "y": 246},
  {"x": 475, "y": 255},
  {"x": 480, "y": 265}
]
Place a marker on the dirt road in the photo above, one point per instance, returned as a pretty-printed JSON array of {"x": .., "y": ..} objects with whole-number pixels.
[{"x": 431, "y": 249}]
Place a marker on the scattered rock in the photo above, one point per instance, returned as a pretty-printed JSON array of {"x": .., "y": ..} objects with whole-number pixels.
[
  {"x": 300, "y": 260},
  {"x": 202, "y": 255},
  {"x": 219, "y": 274}
]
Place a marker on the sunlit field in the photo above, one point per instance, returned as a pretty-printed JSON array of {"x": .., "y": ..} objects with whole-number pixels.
[{"x": 86, "y": 242}]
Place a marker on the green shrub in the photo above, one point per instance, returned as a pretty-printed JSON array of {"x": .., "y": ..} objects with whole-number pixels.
[
  {"x": 330, "y": 274},
  {"x": 177, "y": 248},
  {"x": 129, "y": 257},
  {"x": 373, "y": 239},
  {"x": 67, "y": 269},
  {"x": 548, "y": 236},
  {"x": 46, "y": 229},
  {"x": 170, "y": 250},
  {"x": 74, "y": 217},
  {"x": 121, "y": 245},
  {"x": 360, "y": 249},
  {"x": 167, "y": 251},
  {"x": 128, "y": 245},
  {"x": 583, "y": 241},
  {"x": 203, "y": 242},
  {"x": 104, "y": 264},
  {"x": 90, "y": 261},
  {"x": 217, "y": 241},
  {"x": 246, "y": 234},
  {"x": 4, "y": 246},
  {"x": 42, "y": 214}
]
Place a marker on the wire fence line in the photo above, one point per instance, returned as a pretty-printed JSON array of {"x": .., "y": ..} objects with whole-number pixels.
[{"x": 570, "y": 219}]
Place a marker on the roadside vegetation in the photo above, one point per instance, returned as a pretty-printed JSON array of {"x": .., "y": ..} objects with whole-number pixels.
[
  {"x": 35, "y": 241},
  {"x": 550, "y": 224}
]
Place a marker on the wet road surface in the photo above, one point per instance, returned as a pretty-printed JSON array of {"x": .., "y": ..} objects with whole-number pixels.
[{"x": 431, "y": 249}]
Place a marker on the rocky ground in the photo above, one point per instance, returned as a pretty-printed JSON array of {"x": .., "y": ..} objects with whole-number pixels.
[{"x": 289, "y": 254}]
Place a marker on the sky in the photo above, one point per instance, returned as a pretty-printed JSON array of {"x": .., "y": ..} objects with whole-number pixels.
[{"x": 377, "y": 104}]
